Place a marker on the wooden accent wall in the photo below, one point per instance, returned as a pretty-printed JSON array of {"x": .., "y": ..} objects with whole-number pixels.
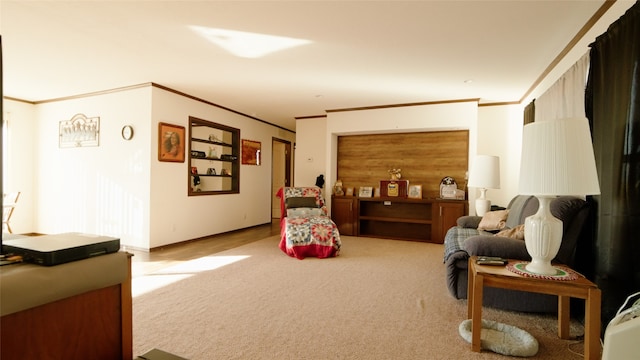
[{"x": 424, "y": 157}]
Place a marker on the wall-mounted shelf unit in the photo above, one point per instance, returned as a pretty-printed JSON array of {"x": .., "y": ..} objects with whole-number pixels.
[{"x": 214, "y": 158}]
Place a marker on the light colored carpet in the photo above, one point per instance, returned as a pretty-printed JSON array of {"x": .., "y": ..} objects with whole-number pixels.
[{"x": 380, "y": 299}]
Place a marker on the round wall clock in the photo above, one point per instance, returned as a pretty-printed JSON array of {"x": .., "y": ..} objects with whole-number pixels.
[{"x": 127, "y": 132}]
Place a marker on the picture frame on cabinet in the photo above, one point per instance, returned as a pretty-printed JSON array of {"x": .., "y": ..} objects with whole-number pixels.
[
  {"x": 349, "y": 191},
  {"x": 415, "y": 192},
  {"x": 171, "y": 142},
  {"x": 448, "y": 187},
  {"x": 365, "y": 192},
  {"x": 376, "y": 191}
]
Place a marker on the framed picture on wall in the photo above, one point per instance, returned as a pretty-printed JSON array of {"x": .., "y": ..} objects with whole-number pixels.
[
  {"x": 251, "y": 152},
  {"x": 171, "y": 142}
]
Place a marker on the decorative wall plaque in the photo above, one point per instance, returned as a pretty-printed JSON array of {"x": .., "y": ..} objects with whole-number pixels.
[{"x": 79, "y": 131}]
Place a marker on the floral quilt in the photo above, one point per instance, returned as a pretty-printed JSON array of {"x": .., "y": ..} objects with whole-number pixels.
[{"x": 304, "y": 235}]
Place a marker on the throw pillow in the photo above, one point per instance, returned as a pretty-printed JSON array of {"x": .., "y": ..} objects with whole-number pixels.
[
  {"x": 493, "y": 220},
  {"x": 302, "y": 201},
  {"x": 303, "y": 212},
  {"x": 515, "y": 233},
  {"x": 470, "y": 222}
]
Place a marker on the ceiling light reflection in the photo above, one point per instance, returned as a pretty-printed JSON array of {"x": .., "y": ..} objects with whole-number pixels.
[{"x": 246, "y": 44}]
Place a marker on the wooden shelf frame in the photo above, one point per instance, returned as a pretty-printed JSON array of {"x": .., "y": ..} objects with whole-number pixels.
[{"x": 219, "y": 183}]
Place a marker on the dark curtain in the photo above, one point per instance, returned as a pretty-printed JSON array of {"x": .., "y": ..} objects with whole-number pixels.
[
  {"x": 530, "y": 112},
  {"x": 613, "y": 108}
]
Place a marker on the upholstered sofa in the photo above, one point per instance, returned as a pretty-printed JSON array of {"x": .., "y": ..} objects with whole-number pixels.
[{"x": 465, "y": 240}]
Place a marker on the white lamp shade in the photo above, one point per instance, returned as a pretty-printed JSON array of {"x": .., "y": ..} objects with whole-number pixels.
[
  {"x": 557, "y": 159},
  {"x": 485, "y": 172}
]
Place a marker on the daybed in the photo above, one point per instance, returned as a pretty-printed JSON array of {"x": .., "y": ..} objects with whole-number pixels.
[
  {"x": 465, "y": 240},
  {"x": 305, "y": 227}
]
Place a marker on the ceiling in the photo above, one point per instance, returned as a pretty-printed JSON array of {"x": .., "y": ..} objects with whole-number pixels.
[{"x": 358, "y": 54}]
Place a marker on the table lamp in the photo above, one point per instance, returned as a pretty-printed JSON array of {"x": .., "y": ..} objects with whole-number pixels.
[
  {"x": 557, "y": 159},
  {"x": 485, "y": 174}
]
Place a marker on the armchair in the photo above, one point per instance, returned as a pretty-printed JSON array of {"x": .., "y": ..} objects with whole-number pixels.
[
  {"x": 305, "y": 228},
  {"x": 465, "y": 240}
]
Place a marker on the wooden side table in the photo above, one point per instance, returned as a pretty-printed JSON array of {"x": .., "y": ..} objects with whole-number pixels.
[{"x": 500, "y": 277}]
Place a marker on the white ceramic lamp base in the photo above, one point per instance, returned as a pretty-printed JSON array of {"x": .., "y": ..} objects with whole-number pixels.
[
  {"x": 483, "y": 205},
  {"x": 542, "y": 237}
]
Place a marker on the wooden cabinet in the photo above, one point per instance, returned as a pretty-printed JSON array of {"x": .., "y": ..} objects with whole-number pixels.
[
  {"x": 343, "y": 214},
  {"x": 396, "y": 218},
  {"x": 448, "y": 212},
  {"x": 71, "y": 311},
  {"x": 214, "y": 152}
]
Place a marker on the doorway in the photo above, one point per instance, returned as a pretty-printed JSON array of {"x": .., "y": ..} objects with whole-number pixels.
[{"x": 280, "y": 172}]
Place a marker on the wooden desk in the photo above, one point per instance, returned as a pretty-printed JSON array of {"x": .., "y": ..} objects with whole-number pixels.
[{"x": 500, "y": 277}]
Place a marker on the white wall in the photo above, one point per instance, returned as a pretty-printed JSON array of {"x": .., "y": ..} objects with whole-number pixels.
[
  {"x": 119, "y": 188},
  {"x": 18, "y": 163},
  {"x": 311, "y": 152},
  {"x": 500, "y": 134},
  {"x": 99, "y": 190},
  {"x": 178, "y": 217}
]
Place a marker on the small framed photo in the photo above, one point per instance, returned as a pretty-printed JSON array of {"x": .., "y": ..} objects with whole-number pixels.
[
  {"x": 170, "y": 142},
  {"x": 365, "y": 192},
  {"x": 376, "y": 191},
  {"x": 415, "y": 192},
  {"x": 349, "y": 191}
]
